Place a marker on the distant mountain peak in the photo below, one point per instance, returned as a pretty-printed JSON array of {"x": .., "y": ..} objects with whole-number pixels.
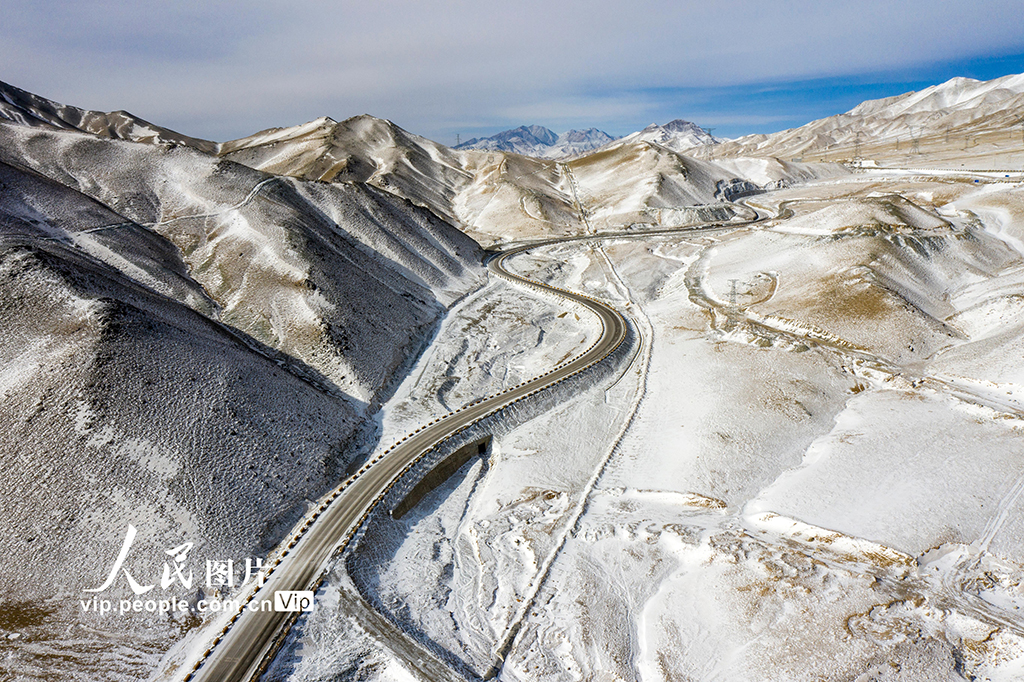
[
  {"x": 677, "y": 135},
  {"x": 538, "y": 141},
  {"x": 540, "y": 133},
  {"x": 521, "y": 140},
  {"x": 680, "y": 125}
]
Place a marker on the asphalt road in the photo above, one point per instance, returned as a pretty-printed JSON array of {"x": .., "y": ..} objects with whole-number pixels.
[
  {"x": 242, "y": 648},
  {"x": 247, "y": 643}
]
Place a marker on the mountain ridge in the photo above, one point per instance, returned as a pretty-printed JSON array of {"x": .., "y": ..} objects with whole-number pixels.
[
  {"x": 25, "y": 108},
  {"x": 540, "y": 142},
  {"x": 934, "y": 125}
]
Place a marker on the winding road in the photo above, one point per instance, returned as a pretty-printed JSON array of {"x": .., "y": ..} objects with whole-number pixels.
[
  {"x": 248, "y": 640},
  {"x": 247, "y": 643}
]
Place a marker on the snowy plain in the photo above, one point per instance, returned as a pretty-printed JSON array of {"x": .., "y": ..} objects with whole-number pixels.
[{"x": 794, "y": 479}]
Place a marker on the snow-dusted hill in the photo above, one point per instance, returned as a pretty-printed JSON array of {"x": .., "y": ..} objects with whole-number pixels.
[
  {"x": 481, "y": 192},
  {"x": 961, "y": 121},
  {"x": 190, "y": 346},
  {"x": 24, "y": 108},
  {"x": 644, "y": 183},
  {"x": 497, "y": 196},
  {"x": 359, "y": 149}
]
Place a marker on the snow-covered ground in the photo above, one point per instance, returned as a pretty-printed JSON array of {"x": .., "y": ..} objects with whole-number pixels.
[{"x": 812, "y": 469}]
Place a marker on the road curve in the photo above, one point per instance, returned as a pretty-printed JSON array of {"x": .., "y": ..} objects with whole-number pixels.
[
  {"x": 240, "y": 651},
  {"x": 246, "y": 644}
]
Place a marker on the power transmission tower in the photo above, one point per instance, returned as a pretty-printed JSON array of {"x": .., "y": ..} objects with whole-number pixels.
[{"x": 733, "y": 293}]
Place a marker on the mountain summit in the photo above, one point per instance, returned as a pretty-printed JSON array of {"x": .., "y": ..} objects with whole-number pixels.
[
  {"x": 541, "y": 142},
  {"x": 677, "y": 135}
]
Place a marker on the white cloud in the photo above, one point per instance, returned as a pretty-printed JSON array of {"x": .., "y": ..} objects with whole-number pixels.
[{"x": 223, "y": 69}]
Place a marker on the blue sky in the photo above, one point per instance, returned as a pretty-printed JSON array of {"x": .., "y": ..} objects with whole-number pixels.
[
  {"x": 222, "y": 69},
  {"x": 771, "y": 106}
]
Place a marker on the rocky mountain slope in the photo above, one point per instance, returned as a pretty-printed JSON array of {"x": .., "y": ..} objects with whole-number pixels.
[
  {"x": 24, "y": 108},
  {"x": 191, "y": 347}
]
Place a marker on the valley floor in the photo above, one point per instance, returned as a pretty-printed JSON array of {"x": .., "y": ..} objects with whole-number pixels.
[{"x": 812, "y": 468}]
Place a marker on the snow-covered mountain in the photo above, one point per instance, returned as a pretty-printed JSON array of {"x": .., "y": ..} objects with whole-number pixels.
[
  {"x": 540, "y": 142},
  {"x": 578, "y": 142},
  {"x": 934, "y": 126},
  {"x": 525, "y": 140},
  {"x": 955, "y": 95},
  {"x": 677, "y": 135},
  {"x": 189, "y": 345},
  {"x": 497, "y": 195},
  {"x": 27, "y": 109},
  {"x": 362, "y": 149}
]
